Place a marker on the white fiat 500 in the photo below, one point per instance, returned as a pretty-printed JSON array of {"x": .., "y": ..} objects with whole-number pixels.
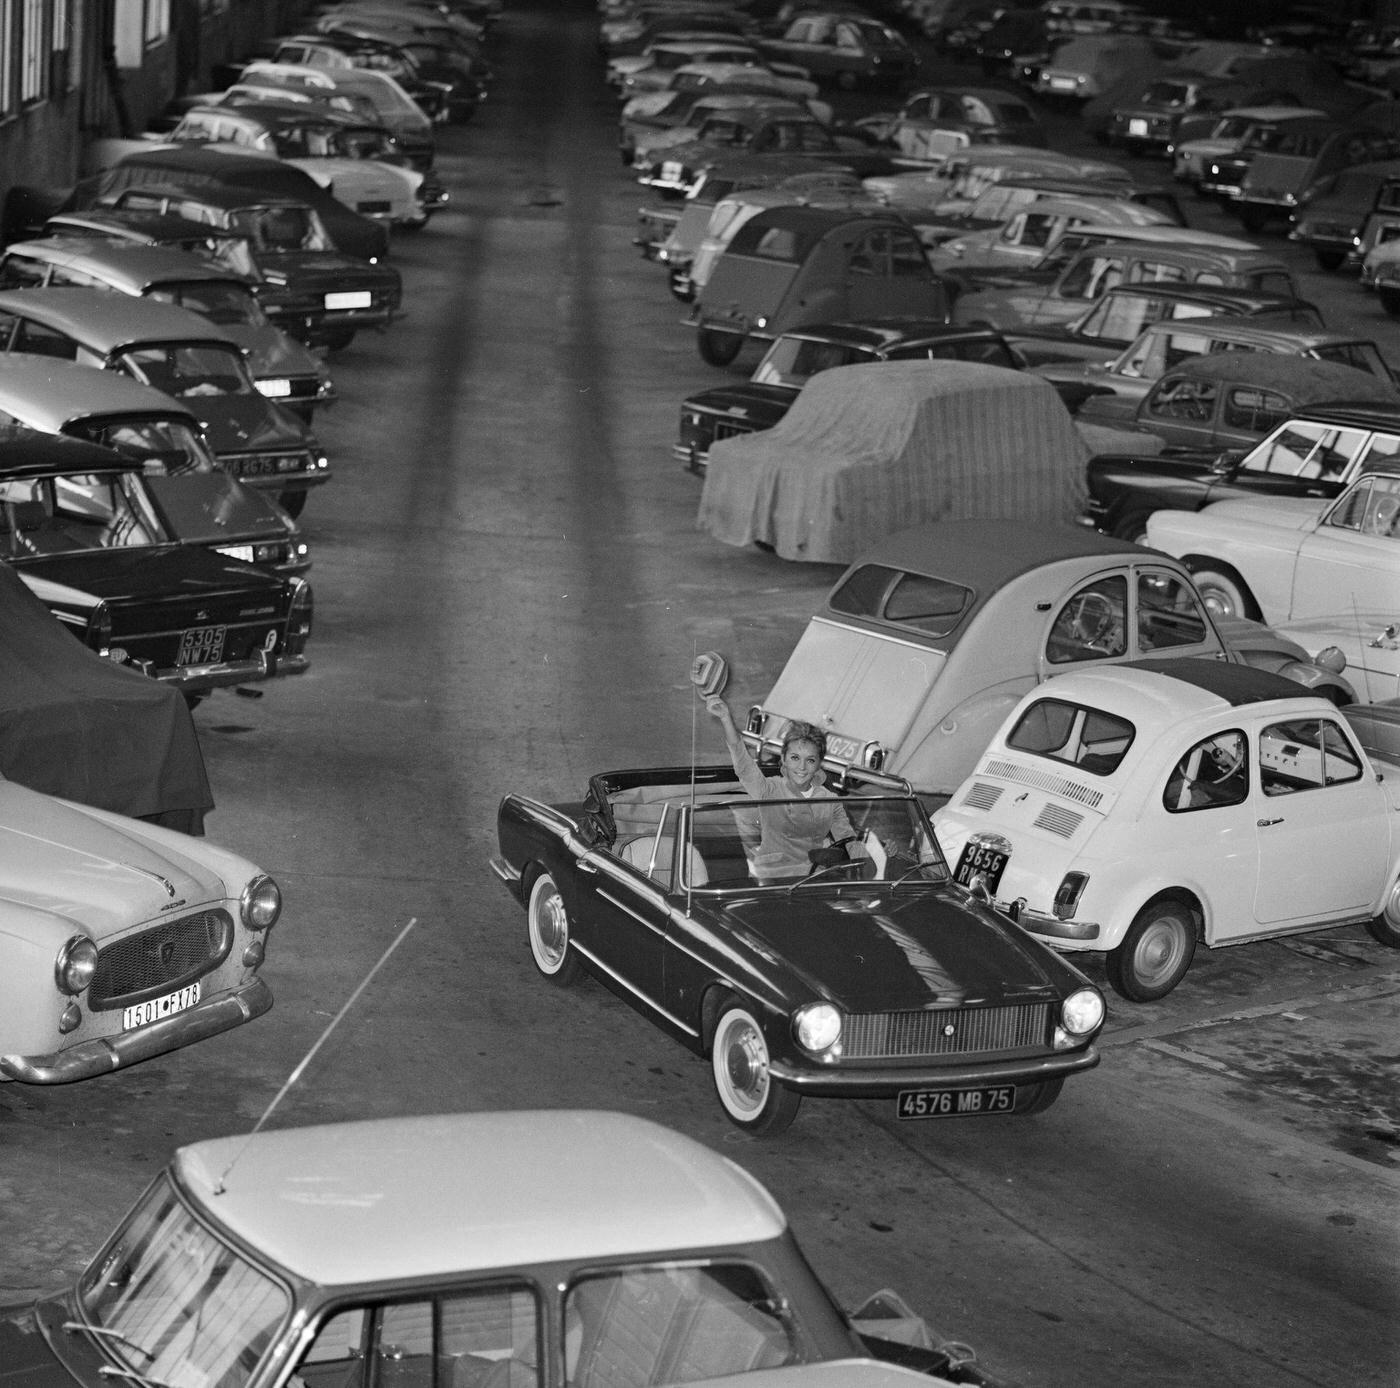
[{"x": 1141, "y": 808}]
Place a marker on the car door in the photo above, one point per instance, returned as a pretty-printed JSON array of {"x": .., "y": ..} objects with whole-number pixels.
[
  {"x": 1323, "y": 825},
  {"x": 1183, "y": 410},
  {"x": 883, "y": 272},
  {"x": 1347, "y": 572}
]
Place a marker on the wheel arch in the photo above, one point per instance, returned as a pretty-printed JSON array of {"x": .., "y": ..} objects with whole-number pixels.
[
  {"x": 1189, "y": 897},
  {"x": 1197, "y": 563}
]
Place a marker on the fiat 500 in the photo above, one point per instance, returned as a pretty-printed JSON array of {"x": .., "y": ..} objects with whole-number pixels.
[
  {"x": 120, "y": 941},
  {"x": 1141, "y": 810},
  {"x": 586, "y": 1249},
  {"x": 928, "y": 640},
  {"x": 868, "y": 976}
]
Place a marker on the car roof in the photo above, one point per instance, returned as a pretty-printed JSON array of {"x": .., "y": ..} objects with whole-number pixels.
[
  {"x": 809, "y": 221},
  {"x": 1380, "y": 415},
  {"x": 159, "y": 226},
  {"x": 1223, "y": 296},
  {"x": 105, "y": 321},
  {"x": 1183, "y": 687},
  {"x": 1305, "y": 379},
  {"x": 49, "y": 394},
  {"x": 885, "y": 332},
  {"x": 218, "y": 195},
  {"x": 396, "y": 1198},
  {"x": 125, "y": 262},
  {"x": 276, "y": 115},
  {"x": 986, "y": 554},
  {"x": 32, "y": 452},
  {"x": 1250, "y": 332},
  {"x": 1171, "y": 237}
]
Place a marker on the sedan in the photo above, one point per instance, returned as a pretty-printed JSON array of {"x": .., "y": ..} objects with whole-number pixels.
[{"x": 869, "y": 976}]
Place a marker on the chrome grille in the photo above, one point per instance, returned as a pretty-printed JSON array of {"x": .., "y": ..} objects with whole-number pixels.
[
  {"x": 167, "y": 956},
  {"x": 1058, "y": 820},
  {"x": 981, "y": 796},
  {"x": 1045, "y": 780},
  {"x": 888, "y": 1035}
]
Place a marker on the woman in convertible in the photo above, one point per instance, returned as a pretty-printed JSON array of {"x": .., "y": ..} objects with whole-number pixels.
[{"x": 794, "y": 835}]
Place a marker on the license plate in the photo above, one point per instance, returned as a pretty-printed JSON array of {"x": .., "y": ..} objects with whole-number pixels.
[
  {"x": 144, "y": 1013},
  {"x": 955, "y": 1103},
  {"x": 979, "y": 860},
  {"x": 1062, "y": 84},
  {"x": 350, "y": 298},
  {"x": 243, "y": 552},
  {"x": 200, "y": 645},
  {"x": 842, "y": 748},
  {"x": 671, "y": 171},
  {"x": 1137, "y": 127}
]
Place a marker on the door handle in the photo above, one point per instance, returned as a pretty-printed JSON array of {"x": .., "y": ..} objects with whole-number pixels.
[
  {"x": 1264, "y": 823},
  {"x": 585, "y": 866}
]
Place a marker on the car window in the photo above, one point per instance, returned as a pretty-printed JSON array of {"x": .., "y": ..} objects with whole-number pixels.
[
  {"x": 1371, "y": 507},
  {"x": 1183, "y": 400},
  {"x": 1306, "y": 449},
  {"x": 484, "y": 1337},
  {"x": 627, "y": 1328},
  {"x": 1382, "y": 452},
  {"x": 27, "y": 336},
  {"x": 1088, "y": 738},
  {"x": 1213, "y": 774},
  {"x": 22, "y": 272},
  {"x": 1092, "y": 276},
  {"x": 1364, "y": 356},
  {"x": 1169, "y": 614},
  {"x": 1254, "y": 409},
  {"x": 907, "y": 259},
  {"x": 1092, "y": 625},
  {"x": 1156, "y": 272},
  {"x": 1274, "y": 282},
  {"x": 189, "y": 371},
  {"x": 875, "y": 591},
  {"x": 1305, "y": 754},
  {"x": 990, "y": 351}
]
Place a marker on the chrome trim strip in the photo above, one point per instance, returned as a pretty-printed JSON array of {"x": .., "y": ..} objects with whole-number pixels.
[{"x": 636, "y": 992}]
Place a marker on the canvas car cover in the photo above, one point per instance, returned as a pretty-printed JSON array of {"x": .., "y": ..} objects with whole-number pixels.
[
  {"x": 75, "y": 725},
  {"x": 867, "y": 450}
]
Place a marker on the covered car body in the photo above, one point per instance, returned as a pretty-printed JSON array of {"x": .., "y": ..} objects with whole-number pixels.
[
  {"x": 868, "y": 449},
  {"x": 75, "y": 725},
  {"x": 793, "y": 265},
  {"x": 1085, "y": 67}
]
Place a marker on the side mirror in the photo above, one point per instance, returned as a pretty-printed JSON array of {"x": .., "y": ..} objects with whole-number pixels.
[{"x": 1226, "y": 464}]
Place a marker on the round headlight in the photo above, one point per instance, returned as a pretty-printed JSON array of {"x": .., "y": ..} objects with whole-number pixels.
[
  {"x": 817, "y": 1026},
  {"x": 75, "y": 965},
  {"x": 260, "y": 904},
  {"x": 1082, "y": 1012}
]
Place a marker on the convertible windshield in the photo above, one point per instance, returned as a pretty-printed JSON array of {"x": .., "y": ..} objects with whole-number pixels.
[
  {"x": 174, "y": 1304},
  {"x": 743, "y": 842}
]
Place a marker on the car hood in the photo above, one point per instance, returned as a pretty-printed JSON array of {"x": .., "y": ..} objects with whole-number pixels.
[
  {"x": 180, "y": 574},
  {"x": 213, "y": 508},
  {"x": 272, "y": 352},
  {"x": 1275, "y": 512},
  {"x": 870, "y": 949},
  {"x": 746, "y": 401},
  {"x": 67, "y": 864},
  {"x": 328, "y": 268},
  {"x": 25, "y": 1357}
]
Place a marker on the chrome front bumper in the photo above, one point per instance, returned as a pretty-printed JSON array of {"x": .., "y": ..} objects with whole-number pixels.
[{"x": 874, "y": 1083}]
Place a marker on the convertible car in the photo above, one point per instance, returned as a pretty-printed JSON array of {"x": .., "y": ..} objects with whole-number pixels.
[{"x": 871, "y": 976}]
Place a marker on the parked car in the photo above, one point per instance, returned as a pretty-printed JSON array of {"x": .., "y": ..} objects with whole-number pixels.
[
  {"x": 724, "y": 412},
  {"x": 790, "y": 266},
  {"x": 1380, "y": 270},
  {"x": 1325, "y": 571},
  {"x": 1116, "y": 318},
  {"x": 122, "y": 941},
  {"x": 981, "y": 115},
  {"x": 186, "y": 356},
  {"x": 570, "y": 1229},
  {"x": 192, "y": 499},
  {"x": 1115, "y": 389},
  {"x": 303, "y": 283},
  {"x": 361, "y": 164},
  {"x": 867, "y": 449},
  {"x": 1314, "y": 452},
  {"x": 1230, "y": 400},
  {"x": 1023, "y": 238},
  {"x": 1150, "y": 121},
  {"x": 1086, "y": 67},
  {"x": 1227, "y": 134},
  {"x": 1067, "y": 281},
  {"x": 675, "y": 117},
  {"x": 282, "y": 368},
  {"x": 73, "y": 724},
  {"x": 1155, "y": 197},
  {"x": 926, "y": 642},
  {"x": 1137, "y": 811},
  {"x": 661, "y": 891},
  {"x": 1222, "y": 175},
  {"x": 1283, "y": 177},
  {"x": 846, "y": 49},
  {"x": 1332, "y": 222}
]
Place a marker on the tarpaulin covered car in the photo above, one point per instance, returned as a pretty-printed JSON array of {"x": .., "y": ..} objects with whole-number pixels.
[
  {"x": 75, "y": 725},
  {"x": 867, "y": 450}
]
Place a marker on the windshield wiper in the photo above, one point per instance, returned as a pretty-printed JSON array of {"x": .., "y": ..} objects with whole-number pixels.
[
  {"x": 106, "y": 1332},
  {"x": 132, "y": 1376}
]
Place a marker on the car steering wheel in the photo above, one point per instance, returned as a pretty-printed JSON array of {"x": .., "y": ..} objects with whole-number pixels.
[
  {"x": 1092, "y": 618},
  {"x": 1218, "y": 763}
]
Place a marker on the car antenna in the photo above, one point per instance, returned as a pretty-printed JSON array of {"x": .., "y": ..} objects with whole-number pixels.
[
  {"x": 709, "y": 673},
  {"x": 316, "y": 1046}
]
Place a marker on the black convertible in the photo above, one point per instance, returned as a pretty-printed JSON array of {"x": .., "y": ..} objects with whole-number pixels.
[{"x": 872, "y": 974}]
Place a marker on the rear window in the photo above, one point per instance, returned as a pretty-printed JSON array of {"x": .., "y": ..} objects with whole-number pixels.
[
  {"x": 759, "y": 237},
  {"x": 1079, "y": 736},
  {"x": 920, "y": 601}
]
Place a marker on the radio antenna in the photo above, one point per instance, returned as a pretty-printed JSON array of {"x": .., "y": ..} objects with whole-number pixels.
[{"x": 316, "y": 1046}]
